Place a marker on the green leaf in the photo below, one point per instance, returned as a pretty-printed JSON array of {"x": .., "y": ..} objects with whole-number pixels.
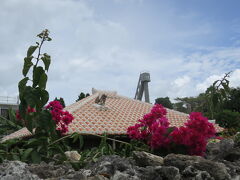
[
  {"x": 2, "y": 151},
  {"x": 227, "y": 82},
  {"x": 12, "y": 115},
  {"x": 30, "y": 123},
  {"x": 223, "y": 93},
  {"x": 35, "y": 156},
  {"x": 37, "y": 92},
  {"x": 27, "y": 65},
  {"x": 46, "y": 60},
  {"x": 22, "y": 108},
  {"x": 22, "y": 84},
  {"x": 226, "y": 87},
  {"x": 39, "y": 148},
  {"x": 44, "y": 97},
  {"x": 81, "y": 141},
  {"x": 215, "y": 99},
  {"x": 170, "y": 129},
  {"x": 46, "y": 118},
  {"x": 37, "y": 73},
  {"x": 32, "y": 141},
  {"x": 31, "y": 50},
  {"x": 43, "y": 81},
  {"x": 26, "y": 154},
  {"x": 16, "y": 157},
  {"x": 30, "y": 96},
  {"x": 75, "y": 138}
]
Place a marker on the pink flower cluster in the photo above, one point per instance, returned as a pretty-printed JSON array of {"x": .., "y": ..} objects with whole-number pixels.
[
  {"x": 62, "y": 118},
  {"x": 154, "y": 129},
  {"x": 194, "y": 134}
]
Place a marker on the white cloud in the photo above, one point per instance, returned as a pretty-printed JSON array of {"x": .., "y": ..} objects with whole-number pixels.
[
  {"x": 182, "y": 81},
  {"x": 91, "y": 48},
  {"x": 233, "y": 79},
  {"x": 201, "y": 87}
]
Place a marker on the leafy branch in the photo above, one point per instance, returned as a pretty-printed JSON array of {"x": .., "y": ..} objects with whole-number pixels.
[{"x": 217, "y": 93}]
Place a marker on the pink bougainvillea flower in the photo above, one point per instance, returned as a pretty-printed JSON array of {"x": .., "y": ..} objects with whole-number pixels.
[
  {"x": 61, "y": 117},
  {"x": 153, "y": 129}
]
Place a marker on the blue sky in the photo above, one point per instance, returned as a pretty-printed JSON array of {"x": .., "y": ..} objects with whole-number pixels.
[{"x": 105, "y": 44}]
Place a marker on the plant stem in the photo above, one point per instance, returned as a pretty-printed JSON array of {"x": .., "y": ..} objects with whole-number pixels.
[
  {"x": 96, "y": 136},
  {"x": 64, "y": 137},
  {"x": 39, "y": 50}
]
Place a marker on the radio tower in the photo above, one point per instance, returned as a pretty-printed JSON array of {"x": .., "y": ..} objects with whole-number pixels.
[{"x": 142, "y": 87}]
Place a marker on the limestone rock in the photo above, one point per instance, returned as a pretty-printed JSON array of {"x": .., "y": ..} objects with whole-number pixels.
[
  {"x": 123, "y": 176},
  {"x": 169, "y": 172},
  {"x": 97, "y": 177},
  {"x": 149, "y": 173},
  {"x": 147, "y": 159},
  {"x": 16, "y": 170},
  {"x": 233, "y": 155},
  {"x": 215, "y": 169},
  {"x": 180, "y": 161},
  {"x": 191, "y": 173},
  {"x": 219, "y": 150},
  {"x": 108, "y": 165},
  {"x": 233, "y": 168},
  {"x": 73, "y": 155},
  {"x": 44, "y": 170},
  {"x": 237, "y": 139},
  {"x": 226, "y": 145},
  {"x": 213, "y": 151},
  {"x": 159, "y": 173}
]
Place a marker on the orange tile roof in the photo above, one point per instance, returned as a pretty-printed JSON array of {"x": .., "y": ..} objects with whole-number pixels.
[{"x": 115, "y": 117}]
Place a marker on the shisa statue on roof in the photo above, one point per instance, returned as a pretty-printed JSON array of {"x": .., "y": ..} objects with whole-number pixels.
[{"x": 101, "y": 99}]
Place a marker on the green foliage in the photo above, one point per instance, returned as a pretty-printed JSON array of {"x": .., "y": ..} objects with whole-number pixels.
[
  {"x": 61, "y": 100},
  {"x": 37, "y": 149},
  {"x": 216, "y": 94},
  {"x": 233, "y": 102},
  {"x": 105, "y": 147},
  {"x": 33, "y": 97},
  {"x": 82, "y": 96},
  {"x": 180, "y": 106},
  {"x": 228, "y": 119},
  {"x": 33, "y": 150},
  {"x": 191, "y": 104},
  {"x": 10, "y": 125},
  {"x": 165, "y": 102},
  {"x": 35, "y": 94}
]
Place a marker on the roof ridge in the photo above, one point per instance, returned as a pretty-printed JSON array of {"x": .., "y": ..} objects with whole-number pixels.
[
  {"x": 135, "y": 100},
  {"x": 103, "y": 91},
  {"x": 73, "y": 107},
  {"x": 177, "y": 111}
]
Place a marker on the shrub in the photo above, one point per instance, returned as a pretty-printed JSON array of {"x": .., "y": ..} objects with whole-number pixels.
[
  {"x": 154, "y": 130},
  {"x": 45, "y": 121},
  {"x": 228, "y": 119},
  {"x": 194, "y": 134}
]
